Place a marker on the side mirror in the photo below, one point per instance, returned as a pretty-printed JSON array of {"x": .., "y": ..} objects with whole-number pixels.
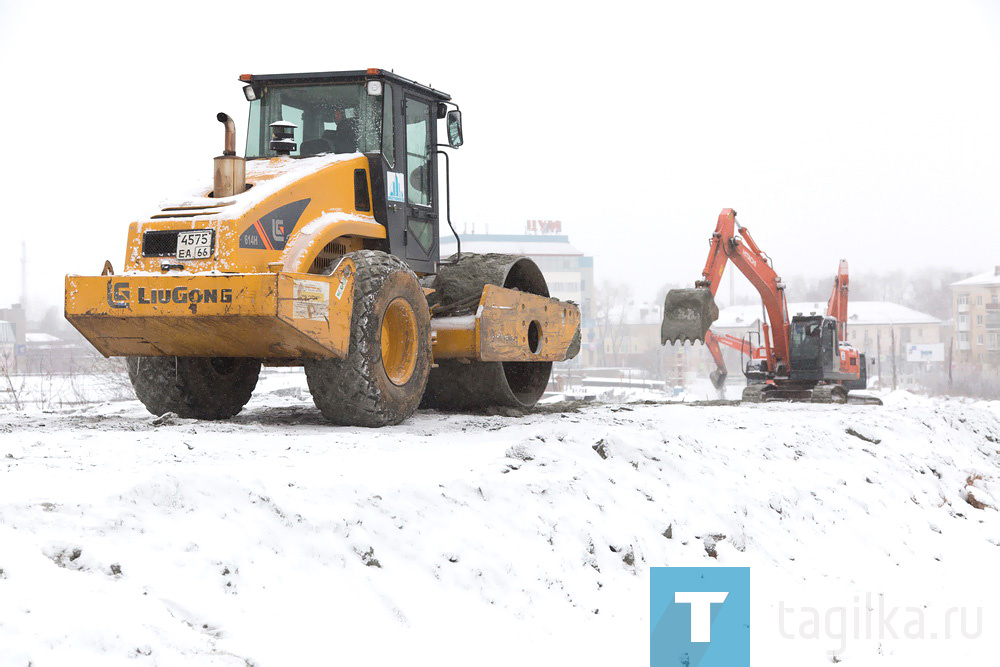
[{"x": 455, "y": 128}]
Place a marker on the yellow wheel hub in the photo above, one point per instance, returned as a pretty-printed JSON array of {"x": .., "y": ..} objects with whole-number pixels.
[{"x": 399, "y": 341}]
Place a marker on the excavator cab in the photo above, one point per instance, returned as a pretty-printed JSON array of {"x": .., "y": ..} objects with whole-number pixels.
[{"x": 813, "y": 347}]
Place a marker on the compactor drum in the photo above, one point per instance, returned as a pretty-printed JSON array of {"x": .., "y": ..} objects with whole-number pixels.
[
  {"x": 321, "y": 249},
  {"x": 460, "y": 384}
]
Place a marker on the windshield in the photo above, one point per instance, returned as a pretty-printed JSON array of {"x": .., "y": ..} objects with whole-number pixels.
[
  {"x": 806, "y": 339},
  {"x": 329, "y": 118}
]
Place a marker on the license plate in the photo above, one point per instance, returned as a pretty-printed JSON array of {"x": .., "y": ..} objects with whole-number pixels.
[{"x": 195, "y": 245}]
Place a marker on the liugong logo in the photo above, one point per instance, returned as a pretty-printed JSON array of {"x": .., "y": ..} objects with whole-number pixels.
[{"x": 120, "y": 295}]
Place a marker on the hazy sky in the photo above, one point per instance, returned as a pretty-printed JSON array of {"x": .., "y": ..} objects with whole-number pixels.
[{"x": 866, "y": 130}]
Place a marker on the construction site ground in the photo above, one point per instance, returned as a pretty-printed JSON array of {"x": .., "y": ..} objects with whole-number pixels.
[{"x": 277, "y": 539}]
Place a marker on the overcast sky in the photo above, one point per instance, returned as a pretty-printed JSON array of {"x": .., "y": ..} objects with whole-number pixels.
[{"x": 866, "y": 130}]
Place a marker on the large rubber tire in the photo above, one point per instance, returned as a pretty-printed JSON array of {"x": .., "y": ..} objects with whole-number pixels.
[
  {"x": 194, "y": 387},
  {"x": 357, "y": 390}
]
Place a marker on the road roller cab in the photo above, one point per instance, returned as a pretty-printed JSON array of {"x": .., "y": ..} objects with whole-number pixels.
[
  {"x": 391, "y": 120},
  {"x": 320, "y": 248}
]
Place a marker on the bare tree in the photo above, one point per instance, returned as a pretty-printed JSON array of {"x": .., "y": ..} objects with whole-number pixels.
[{"x": 611, "y": 309}]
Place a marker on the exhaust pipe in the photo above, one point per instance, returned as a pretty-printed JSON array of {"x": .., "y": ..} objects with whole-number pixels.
[
  {"x": 230, "y": 171},
  {"x": 230, "y": 133}
]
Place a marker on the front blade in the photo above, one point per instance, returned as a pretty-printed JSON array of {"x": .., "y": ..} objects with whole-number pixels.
[
  {"x": 258, "y": 315},
  {"x": 687, "y": 315}
]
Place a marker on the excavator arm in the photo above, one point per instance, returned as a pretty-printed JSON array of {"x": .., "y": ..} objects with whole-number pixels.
[
  {"x": 688, "y": 313},
  {"x": 837, "y": 305},
  {"x": 712, "y": 342},
  {"x": 719, "y": 375}
]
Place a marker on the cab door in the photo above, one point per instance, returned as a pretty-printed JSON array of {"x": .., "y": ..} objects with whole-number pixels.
[
  {"x": 830, "y": 347},
  {"x": 421, "y": 233}
]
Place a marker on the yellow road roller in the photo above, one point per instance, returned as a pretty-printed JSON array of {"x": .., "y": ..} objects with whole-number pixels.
[{"x": 320, "y": 249}]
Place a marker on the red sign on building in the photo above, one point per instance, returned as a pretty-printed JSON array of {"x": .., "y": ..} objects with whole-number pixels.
[{"x": 543, "y": 227}]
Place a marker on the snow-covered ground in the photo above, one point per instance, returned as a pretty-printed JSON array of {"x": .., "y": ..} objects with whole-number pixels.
[
  {"x": 276, "y": 539},
  {"x": 697, "y": 389},
  {"x": 62, "y": 390},
  {"x": 58, "y": 390}
]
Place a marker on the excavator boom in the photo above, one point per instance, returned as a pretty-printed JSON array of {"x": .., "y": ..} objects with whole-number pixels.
[
  {"x": 688, "y": 313},
  {"x": 837, "y": 305}
]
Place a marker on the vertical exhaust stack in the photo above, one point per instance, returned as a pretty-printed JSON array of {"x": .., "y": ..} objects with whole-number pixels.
[{"x": 230, "y": 171}]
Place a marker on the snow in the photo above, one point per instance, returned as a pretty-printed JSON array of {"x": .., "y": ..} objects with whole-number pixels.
[
  {"x": 38, "y": 338},
  {"x": 56, "y": 390},
  {"x": 277, "y": 539},
  {"x": 269, "y": 177},
  {"x": 988, "y": 278},
  {"x": 859, "y": 312},
  {"x": 512, "y": 244},
  {"x": 328, "y": 218}
]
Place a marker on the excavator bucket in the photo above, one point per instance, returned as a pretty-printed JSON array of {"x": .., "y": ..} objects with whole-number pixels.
[
  {"x": 718, "y": 379},
  {"x": 687, "y": 315}
]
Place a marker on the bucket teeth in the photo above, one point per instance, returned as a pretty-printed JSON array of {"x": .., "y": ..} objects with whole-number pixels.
[{"x": 687, "y": 315}]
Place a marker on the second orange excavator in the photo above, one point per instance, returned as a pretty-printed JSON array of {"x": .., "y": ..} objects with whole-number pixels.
[
  {"x": 742, "y": 345},
  {"x": 802, "y": 357}
]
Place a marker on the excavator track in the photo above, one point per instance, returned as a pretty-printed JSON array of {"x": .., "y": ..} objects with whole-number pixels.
[
  {"x": 863, "y": 399},
  {"x": 828, "y": 393},
  {"x": 756, "y": 393}
]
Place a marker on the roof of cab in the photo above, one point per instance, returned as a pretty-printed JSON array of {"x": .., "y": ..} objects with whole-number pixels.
[{"x": 348, "y": 76}]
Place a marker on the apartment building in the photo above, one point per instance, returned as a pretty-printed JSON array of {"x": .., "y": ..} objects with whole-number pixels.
[{"x": 976, "y": 317}]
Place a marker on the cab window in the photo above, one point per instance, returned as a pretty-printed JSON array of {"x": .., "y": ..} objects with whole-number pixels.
[
  {"x": 330, "y": 118},
  {"x": 418, "y": 152}
]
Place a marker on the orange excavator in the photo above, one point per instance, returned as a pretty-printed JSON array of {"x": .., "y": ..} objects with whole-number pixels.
[
  {"x": 802, "y": 357},
  {"x": 713, "y": 340}
]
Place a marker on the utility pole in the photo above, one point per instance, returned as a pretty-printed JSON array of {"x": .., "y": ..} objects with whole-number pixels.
[
  {"x": 951, "y": 360},
  {"x": 24, "y": 275},
  {"x": 892, "y": 334},
  {"x": 878, "y": 355}
]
